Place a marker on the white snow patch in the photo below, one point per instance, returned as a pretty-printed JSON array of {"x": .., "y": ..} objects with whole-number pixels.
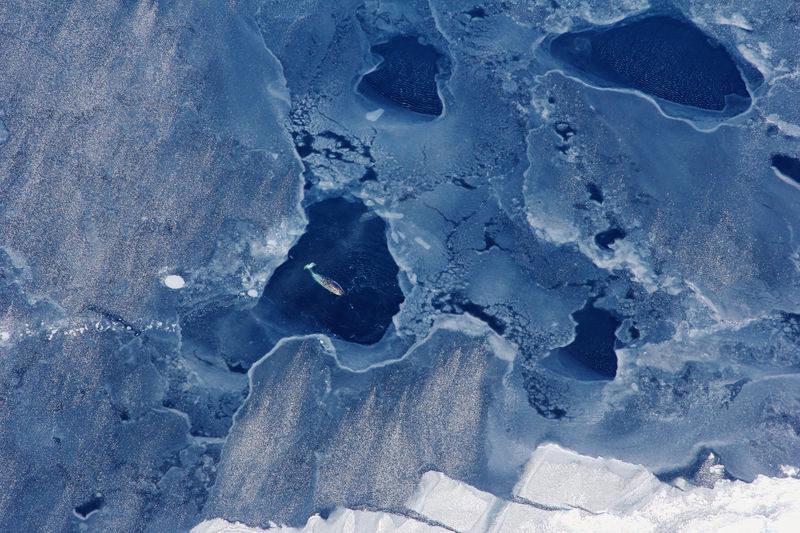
[
  {"x": 372, "y": 116},
  {"x": 600, "y": 13},
  {"x": 4, "y": 335},
  {"x": 791, "y": 471},
  {"x": 552, "y": 229},
  {"x": 174, "y": 281},
  {"x": 252, "y": 293},
  {"x": 628, "y": 257},
  {"x": 757, "y": 59},
  {"x": 541, "y": 106},
  {"x": 218, "y": 525},
  {"x": 421, "y": 242},
  {"x": 737, "y": 20},
  {"x": 788, "y": 128},
  {"x": 390, "y": 215}
]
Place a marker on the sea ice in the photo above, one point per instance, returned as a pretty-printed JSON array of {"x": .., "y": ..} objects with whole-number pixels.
[
  {"x": 536, "y": 252},
  {"x": 561, "y": 490}
]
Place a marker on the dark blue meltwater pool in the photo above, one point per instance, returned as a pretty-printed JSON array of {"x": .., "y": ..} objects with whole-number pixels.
[
  {"x": 347, "y": 243},
  {"x": 406, "y": 77},
  {"x": 662, "y": 56},
  {"x": 590, "y": 356}
]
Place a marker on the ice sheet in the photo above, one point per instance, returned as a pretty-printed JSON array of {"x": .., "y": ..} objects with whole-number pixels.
[{"x": 561, "y": 490}]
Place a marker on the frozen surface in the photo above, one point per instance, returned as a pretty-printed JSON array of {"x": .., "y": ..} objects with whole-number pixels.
[
  {"x": 564, "y": 491},
  {"x": 315, "y": 436},
  {"x": 555, "y": 222}
]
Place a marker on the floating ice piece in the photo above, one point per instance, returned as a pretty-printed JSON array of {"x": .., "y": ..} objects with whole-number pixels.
[
  {"x": 422, "y": 242},
  {"x": 252, "y": 293},
  {"x": 173, "y": 281}
]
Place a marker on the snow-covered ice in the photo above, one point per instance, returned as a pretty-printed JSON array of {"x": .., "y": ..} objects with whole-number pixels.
[{"x": 561, "y": 490}]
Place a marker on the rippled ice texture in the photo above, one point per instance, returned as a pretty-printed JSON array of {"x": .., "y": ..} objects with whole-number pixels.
[{"x": 540, "y": 252}]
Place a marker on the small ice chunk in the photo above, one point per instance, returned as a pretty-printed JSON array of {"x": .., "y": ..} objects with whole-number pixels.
[
  {"x": 372, "y": 116},
  {"x": 4, "y": 335},
  {"x": 173, "y": 281},
  {"x": 252, "y": 293}
]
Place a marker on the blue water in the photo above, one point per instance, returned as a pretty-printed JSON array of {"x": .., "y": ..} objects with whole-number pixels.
[
  {"x": 591, "y": 355},
  {"x": 89, "y": 506},
  {"x": 662, "y": 56},
  {"x": 406, "y": 77},
  {"x": 348, "y": 245},
  {"x": 787, "y": 165},
  {"x": 606, "y": 238}
]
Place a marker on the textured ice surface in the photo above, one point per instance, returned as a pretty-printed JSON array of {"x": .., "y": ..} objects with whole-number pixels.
[
  {"x": 316, "y": 436},
  {"x": 536, "y": 253},
  {"x": 563, "y": 491}
]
